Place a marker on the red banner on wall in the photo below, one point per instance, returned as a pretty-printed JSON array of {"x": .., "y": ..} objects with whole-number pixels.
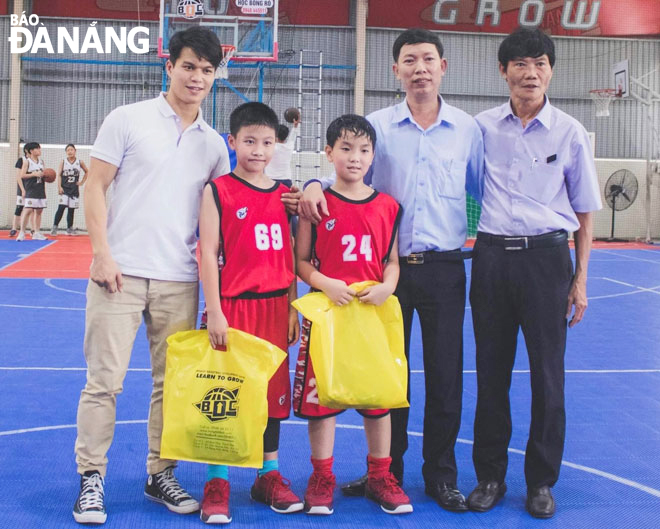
[
  {"x": 608, "y": 18},
  {"x": 296, "y": 12}
]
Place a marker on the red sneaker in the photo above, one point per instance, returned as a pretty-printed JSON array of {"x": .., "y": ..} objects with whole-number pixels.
[
  {"x": 318, "y": 496},
  {"x": 385, "y": 491},
  {"x": 275, "y": 491},
  {"x": 215, "y": 504}
]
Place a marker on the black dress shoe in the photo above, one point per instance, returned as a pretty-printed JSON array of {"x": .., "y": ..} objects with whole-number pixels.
[
  {"x": 540, "y": 503},
  {"x": 486, "y": 495},
  {"x": 355, "y": 487},
  {"x": 447, "y": 496}
]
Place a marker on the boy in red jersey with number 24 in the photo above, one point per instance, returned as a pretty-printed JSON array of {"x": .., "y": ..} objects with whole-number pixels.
[
  {"x": 244, "y": 231},
  {"x": 356, "y": 242}
]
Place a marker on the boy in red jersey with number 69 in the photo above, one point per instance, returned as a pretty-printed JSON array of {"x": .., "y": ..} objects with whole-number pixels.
[
  {"x": 244, "y": 231},
  {"x": 356, "y": 242}
]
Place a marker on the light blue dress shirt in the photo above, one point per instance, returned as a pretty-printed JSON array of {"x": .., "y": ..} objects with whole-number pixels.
[
  {"x": 535, "y": 178},
  {"x": 427, "y": 172}
]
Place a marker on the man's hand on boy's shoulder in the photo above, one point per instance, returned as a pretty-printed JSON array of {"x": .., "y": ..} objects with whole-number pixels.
[
  {"x": 375, "y": 295},
  {"x": 313, "y": 205},
  {"x": 291, "y": 200}
]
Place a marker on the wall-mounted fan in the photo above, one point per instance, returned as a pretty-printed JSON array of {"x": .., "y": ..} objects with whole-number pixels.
[{"x": 620, "y": 192}]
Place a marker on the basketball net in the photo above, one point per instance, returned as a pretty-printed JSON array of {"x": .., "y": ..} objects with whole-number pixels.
[
  {"x": 222, "y": 72},
  {"x": 602, "y": 98}
]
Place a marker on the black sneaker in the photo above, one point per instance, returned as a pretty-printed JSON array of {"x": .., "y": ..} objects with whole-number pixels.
[
  {"x": 164, "y": 488},
  {"x": 13, "y": 233},
  {"x": 90, "y": 506}
]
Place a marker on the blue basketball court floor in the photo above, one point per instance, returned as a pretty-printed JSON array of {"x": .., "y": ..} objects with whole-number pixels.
[{"x": 610, "y": 476}]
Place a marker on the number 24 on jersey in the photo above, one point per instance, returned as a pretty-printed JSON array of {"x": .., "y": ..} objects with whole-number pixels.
[{"x": 350, "y": 243}]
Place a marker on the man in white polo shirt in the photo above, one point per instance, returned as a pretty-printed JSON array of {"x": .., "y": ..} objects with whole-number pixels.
[{"x": 157, "y": 155}]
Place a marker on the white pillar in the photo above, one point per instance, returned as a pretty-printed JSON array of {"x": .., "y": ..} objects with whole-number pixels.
[
  {"x": 361, "y": 9},
  {"x": 14, "y": 121}
]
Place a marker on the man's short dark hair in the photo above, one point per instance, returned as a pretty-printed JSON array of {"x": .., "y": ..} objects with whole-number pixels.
[
  {"x": 524, "y": 42},
  {"x": 202, "y": 41},
  {"x": 282, "y": 132},
  {"x": 252, "y": 113},
  {"x": 416, "y": 36},
  {"x": 358, "y": 125}
]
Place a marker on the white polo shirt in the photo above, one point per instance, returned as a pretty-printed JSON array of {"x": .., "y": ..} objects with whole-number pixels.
[{"x": 155, "y": 197}]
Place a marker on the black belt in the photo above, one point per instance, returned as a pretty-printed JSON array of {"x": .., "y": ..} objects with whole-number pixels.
[
  {"x": 433, "y": 256},
  {"x": 546, "y": 240}
]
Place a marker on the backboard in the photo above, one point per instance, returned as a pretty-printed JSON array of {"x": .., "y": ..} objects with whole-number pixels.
[
  {"x": 621, "y": 79},
  {"x": 249, "y": 25}
]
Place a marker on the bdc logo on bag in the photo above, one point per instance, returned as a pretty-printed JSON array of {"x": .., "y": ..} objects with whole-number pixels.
[{"x": 219, "y": 404}]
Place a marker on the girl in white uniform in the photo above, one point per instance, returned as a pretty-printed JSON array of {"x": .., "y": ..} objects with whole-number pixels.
[
  {"x": 68, "y": 185},
  {"x": 35, "y": 190}
]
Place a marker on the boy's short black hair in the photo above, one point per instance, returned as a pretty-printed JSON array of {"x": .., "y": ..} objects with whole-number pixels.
[
  {"x": 202, "y": 41},
  {"x": 358, "y": 125},
  {"x": 252, "y": 113},
  {"x": 69, "y": 145},
  {"x": 30, "y": 146},
  {"x": 416, "y": 36},
  {"x": 524, "y": 42},
  {"x": 282, "y": 132}
]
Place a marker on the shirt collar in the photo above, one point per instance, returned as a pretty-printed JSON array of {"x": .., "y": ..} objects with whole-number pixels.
[
  {"x": 167, "y": 111},
  {"x": 544, "y": 117},
  {"x": 446, "y": 114}
]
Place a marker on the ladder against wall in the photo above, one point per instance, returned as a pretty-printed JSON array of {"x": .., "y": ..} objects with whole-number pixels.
[{"x": 309, "y": 143}]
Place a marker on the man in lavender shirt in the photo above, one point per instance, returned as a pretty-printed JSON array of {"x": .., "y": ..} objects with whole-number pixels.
[{"x": 539, "y": 184}]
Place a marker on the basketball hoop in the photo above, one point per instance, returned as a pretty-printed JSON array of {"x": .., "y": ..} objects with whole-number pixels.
[
  {"x": 602, "y": 97},
  {"x": 223, "y": 68}
]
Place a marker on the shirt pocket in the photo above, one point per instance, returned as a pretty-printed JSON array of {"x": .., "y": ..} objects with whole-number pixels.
[
  {"x": 449, "y": 178},
  {"x": 542, "y": 183}
]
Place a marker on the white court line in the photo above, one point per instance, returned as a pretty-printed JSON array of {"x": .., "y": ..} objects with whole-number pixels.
[
  {"x": 25, "y": 255},
  {"x": 629, "y": 257},
  {"x": 37, "y": 307},
  {"x": 412, "y": 371},
  {"x": 589, "y": 470},
  {"x": 641, "y": 289},
  {"x": 49, "y": 283}
]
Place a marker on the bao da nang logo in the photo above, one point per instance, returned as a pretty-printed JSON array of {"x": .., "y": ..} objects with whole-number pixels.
[
  {"x": 219, "y": 404},
  {"x": 28, "y": 34}
]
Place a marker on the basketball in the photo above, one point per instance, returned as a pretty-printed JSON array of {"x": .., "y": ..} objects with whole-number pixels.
[
  {"x": 291, "y": 114},
  {"x": 49, "y": 175}
]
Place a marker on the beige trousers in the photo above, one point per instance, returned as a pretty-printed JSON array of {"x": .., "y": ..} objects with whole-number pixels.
[{"x": 111, "y": 323}]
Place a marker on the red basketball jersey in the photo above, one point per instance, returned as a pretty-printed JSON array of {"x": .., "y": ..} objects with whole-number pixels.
[
  {"x": 254, "y": 229},
  {"x": 355, "y": 240}
]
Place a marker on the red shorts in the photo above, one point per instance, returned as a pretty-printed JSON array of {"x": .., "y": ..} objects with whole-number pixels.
[
  {"x": 305, "y": 397},
  {"x": 266, "y": 318}
]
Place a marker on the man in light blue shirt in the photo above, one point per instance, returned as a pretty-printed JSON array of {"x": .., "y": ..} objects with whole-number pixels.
[
  {"x": 539, "y": 184},
  {"x": 428, "y": 153}
]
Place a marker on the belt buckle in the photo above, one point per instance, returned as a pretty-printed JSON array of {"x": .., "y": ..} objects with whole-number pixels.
[
  {"x": 415, "y": 258},
  {"x": 524, "y": 243}
]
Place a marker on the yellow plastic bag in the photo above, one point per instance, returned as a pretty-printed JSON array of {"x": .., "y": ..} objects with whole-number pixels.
[
  {"x": 357, "y": 351},
  {"x": 215, "y": 407}
]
